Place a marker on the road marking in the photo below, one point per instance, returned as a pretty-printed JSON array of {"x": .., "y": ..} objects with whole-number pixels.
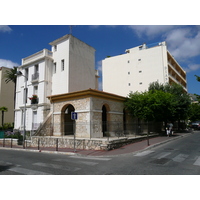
[
  {"x": 197, "y": 162},
  {"x": 180, "y": 158},
  {"x": 27, "y": 171},
  {"x": 57, "y": 166},
  {"x": 144, "y": 153},
  {"x": 162, "y": 155},
  {"x": 77, "y": 162},
  {"x": 91, "y": 158}
]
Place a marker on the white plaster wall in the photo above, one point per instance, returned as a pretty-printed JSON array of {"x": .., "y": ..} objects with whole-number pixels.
[
  {"x": 60, "y": 79},
  {"x": 134, "y": 71},
  {"x": 44, "y": 89},
  {"x": 81, "y": 66}
]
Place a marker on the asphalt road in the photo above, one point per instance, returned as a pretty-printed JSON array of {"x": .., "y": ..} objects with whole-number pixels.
[{"x": 178, "y": 157}]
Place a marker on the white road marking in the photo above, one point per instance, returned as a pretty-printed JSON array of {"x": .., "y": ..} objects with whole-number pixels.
[
  {"x": 91, "y": 158},
  {"x": 180, "y": 158},
  {"x": 144, "y": 153},
  {"x": 27, "y": 171},
  {"x": 77, "y": 162},
  {"x": 197, "y": 162},
  {"x": 57, "y": 166},
  {"x": 162, "y": 155}
]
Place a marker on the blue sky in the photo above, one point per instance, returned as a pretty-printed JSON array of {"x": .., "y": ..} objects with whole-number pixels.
[{"x": 20, "y": 41}]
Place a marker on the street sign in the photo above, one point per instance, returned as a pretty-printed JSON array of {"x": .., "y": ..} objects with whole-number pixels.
[{"x": 74, "y": 115}]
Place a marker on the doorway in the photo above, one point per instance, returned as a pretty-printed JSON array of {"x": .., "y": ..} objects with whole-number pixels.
[
  {"x": 68, "y": 122},
  {"x": 104, "y": 120}
]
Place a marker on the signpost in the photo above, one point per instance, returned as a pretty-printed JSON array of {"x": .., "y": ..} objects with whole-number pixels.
[{"x": 74, "y": 116}]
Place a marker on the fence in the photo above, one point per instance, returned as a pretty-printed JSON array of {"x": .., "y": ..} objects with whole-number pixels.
[{"x": 98, "y": 129}]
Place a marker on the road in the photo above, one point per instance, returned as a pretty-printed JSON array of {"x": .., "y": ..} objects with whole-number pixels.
[{"x": 178, "y": 157}]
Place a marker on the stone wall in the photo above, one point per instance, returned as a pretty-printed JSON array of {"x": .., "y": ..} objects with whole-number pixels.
[{"x": 66, "y": 142}]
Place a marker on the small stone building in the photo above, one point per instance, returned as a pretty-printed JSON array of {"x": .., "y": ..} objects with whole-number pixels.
[{"x": 100, "y": 114}]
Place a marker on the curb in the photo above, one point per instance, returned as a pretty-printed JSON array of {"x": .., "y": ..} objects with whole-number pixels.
[
  {"x": 166, "y": 141},
  {"x": 72, "y": 153}
]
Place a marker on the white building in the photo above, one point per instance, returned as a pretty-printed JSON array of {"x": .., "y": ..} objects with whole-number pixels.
[
  {"x": 69, "y": 67},
  {"x": 140, "y": 66}
]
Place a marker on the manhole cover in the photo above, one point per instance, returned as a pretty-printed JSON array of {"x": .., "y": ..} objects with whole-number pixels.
[{"x": 161, "y": 161}]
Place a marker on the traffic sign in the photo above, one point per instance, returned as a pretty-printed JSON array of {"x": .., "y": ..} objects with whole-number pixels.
[{"x": 74, "y": 115}]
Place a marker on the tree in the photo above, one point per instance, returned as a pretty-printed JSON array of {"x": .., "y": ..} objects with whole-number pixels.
[
  {"x": 163, "y": 102},
  {"x": 3, "y": 109},
  {"x": 180, "y": 99},
  {"x": 150, "y": 106},
  {"x": 198, "y": 96},
  {"x": 10, "y": 75},
  {"x": 194, "y": 114}
]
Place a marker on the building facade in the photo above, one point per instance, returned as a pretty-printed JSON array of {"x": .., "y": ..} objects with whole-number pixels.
[
  {"x": 67, "y": 68},
  {"x": 140, "y": 66},
  {"x": 6, "y": 97}
]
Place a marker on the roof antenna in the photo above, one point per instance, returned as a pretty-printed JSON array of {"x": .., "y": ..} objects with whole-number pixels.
[{"x": 70, "y": 29}]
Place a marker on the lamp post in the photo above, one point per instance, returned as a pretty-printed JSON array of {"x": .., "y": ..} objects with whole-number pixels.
[{"x": 19, "y": 73}]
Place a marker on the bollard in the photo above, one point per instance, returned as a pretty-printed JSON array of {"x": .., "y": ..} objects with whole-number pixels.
[
  {"x": 57, "y": 144},
  {"x": 11, "y": 143},
  {"x": 38, "y": 144},
  {"x": 3, "y": 142}
]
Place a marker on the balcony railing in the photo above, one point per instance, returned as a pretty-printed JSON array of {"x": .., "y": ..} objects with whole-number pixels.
[{"x": 35, "y": 77}]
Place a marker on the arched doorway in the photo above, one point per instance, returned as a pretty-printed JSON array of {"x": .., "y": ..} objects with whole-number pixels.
[
  {"x": 104, "y": 120},
  {"x": 124, "y": 121},
  {"x": 68, "y": 122}
]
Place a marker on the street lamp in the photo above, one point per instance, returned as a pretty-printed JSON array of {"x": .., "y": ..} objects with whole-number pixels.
[{"x": 19, "y": 73}]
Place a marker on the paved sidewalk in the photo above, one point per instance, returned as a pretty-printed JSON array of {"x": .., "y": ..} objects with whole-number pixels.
[{"x": 130, "y": 148}]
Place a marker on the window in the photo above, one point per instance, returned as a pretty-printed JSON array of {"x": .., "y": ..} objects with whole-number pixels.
[
  {"x": 36, "y": 68},
  {"x": 62, "y": 65},
  {"x": 35, "y": 90},
  {"x": 54, "y": 67},
  {"x": 140, "y": 71},
  {"x": 129, "y": 73},
  {"x": 55, "y": 47},
  {"x": 26, "y": 73},
  {"x": 129, "y": 84},
  {"x": 128, "y": 61},
  {"x": 140, "y": 83},
  {"x": 139, "y": 59},
  {"x": 25, "y": 95}
]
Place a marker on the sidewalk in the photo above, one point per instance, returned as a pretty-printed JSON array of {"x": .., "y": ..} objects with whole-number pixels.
[{"x": 130, "y": 148}]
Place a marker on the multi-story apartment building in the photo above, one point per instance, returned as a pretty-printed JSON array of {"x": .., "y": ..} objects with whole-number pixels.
[
  {"x": 140, "y": 66},
  {"x": 6, "y": 97},
  {"x": 69, "y": 67}
]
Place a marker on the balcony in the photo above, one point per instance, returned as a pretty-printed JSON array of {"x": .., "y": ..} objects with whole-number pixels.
[
  {"x": 37, "y": 56},
  {"x": 35, "y": 77},
  {"x": 34, "y": 101}
]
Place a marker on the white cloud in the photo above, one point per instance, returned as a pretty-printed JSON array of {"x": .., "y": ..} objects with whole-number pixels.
[
  {"x": 184, "y": 43},
  {"x": 150, "y": 30},
  {"x": 8, "y": 63},
  {"x": 4, "y": 28},
  {"x": 192, "y": 67},
  {"x": 99, "y": 68}
]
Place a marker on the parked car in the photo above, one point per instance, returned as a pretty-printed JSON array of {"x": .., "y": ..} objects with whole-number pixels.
[{"x": 195, "y": 125}]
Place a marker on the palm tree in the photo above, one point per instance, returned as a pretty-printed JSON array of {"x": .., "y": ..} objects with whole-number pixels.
[
  {"x": 3, "y": 109},
  {"x": 10, "y": 75}
]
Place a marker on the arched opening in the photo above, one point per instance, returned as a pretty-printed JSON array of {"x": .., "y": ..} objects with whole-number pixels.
[
  {"x": 68, "y": 122},
  {"x": 104, "y": 120},
  {"x": 124, "y": 121}
]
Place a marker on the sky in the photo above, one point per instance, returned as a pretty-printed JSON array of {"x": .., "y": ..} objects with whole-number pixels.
[{"x": 183, "y": 41}]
